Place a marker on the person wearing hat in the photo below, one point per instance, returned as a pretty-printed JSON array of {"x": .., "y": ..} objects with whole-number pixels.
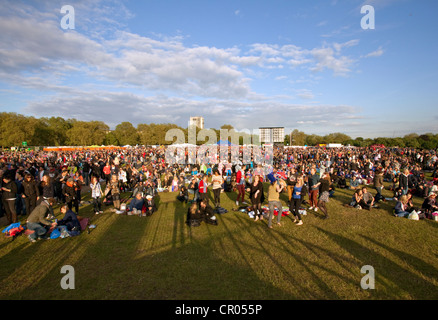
[
  {"x": 429, "y": 204},
  {"x": 151, "y": 207}
]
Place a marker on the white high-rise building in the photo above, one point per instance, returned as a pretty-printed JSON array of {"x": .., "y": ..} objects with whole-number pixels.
[
  {"x": 197, "y": 121},
  {"x": 271, "y": 134}
]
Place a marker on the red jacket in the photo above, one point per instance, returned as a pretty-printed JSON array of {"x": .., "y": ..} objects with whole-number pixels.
[{"x": 202, "y": 187}]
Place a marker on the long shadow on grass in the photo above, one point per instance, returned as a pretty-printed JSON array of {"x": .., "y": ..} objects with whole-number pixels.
[
  {"x": 418, "y": 264},
  {"x": 271, "y": 240},
  {"x": 112, "y": 267},
  {"x": 285, "y": 243},
  {"x": 405, "y": 280}
]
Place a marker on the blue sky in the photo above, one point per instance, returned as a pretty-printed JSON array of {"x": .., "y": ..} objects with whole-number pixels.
[{"x": 305, "y": 65}]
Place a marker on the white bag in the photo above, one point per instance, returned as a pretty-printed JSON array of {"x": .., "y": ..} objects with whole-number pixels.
[{"x": 413, "y": 216}]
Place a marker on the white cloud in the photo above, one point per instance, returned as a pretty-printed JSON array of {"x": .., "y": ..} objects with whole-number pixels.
[{"x": 376, "y": 53}]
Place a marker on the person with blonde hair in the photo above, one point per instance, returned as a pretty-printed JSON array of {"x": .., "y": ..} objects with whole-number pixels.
[
  {"x": 400, "y": 209},
  {"x": 113, "y": 187},
  {"x": 296, "y": 199}
]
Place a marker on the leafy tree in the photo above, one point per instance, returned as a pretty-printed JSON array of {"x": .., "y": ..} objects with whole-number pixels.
[{"x": 126, "y": 134}]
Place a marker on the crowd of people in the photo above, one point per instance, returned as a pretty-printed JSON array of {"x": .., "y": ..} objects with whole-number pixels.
[{"x": 130, "y": 179}]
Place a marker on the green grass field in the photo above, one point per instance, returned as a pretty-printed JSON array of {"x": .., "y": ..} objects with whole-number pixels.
[{"x": 160, "y": 257}]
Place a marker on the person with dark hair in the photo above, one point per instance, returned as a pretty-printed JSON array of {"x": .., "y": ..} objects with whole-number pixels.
[
  {"x": 70, "y": 220},
  {"x": 296, "y": 200},
  {"x": 96, "y": 194},
  {"x": 256, "y": 195},
  {"x": 378, "y": 185},
  {"x": 30, "y": 193},
  {"x": 37, "y": 220},
  {"x": 203, "y": 188},
  {"x": 9, "y": 195},
  {"x": 207, "y": 213},
  {"x": 313, "y": 189},
  {"x": 71, "y": 195},
  {"x": 240, "y": 186},
  {"x": 46, "y": 188},
  {"x": 136, "y": 204},
  {"x": 429, "y": 205},
  {"x": 324, "y": 193}
]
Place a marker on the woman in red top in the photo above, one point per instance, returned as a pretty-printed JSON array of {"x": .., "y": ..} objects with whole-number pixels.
[{"x": 107, "y": 172}]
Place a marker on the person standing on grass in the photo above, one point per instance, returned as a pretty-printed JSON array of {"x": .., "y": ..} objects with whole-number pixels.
[
  {"x": 275, "y": 188},
  {"x": 313, "y": 189},
  {"x": 9, "y": 194},
  {"x": 256, "y": 195},
  {"x": 378, "y": 185},
  {"x": 203, "y": 188},
  {"x": 324, "y": 193},
  {"x": 217, "y": 182},
  {"x": 96, "y": 194},
  {"x": 113, "y": 187},
  {"x": 240, "y": 184},
  {"x": 295, "y": 201},
  {"x": 30, "y": 193},
  {"x": 403, "y": 181}
]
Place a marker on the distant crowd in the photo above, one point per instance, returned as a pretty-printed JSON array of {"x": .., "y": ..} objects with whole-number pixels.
[{"x": 129, "y": 180}]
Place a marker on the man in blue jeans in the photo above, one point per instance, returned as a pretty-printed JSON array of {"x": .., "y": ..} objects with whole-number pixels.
[{"x": 37, "y": 219}]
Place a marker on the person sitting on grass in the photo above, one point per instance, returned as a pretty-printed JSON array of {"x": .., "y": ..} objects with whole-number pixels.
[
  {"x": 401, "y": 207},
  {"x": 136, "y": 204},
  {"x": 429, "y": 205},
  {"x": 183, "y": 194},
  {"x": 354, "y": 183},
  {"x": 367, "y": 197},
  {"x": 70, "y": 219},
  {"x": 358, "y": 202},
  {"x": 150, "y": 205},
  {"x": 207, "y": 212},
  {"x": 37, "y": 221},
  {"x": 194, "y": 217},
  {"x": 342, "y": 182}
]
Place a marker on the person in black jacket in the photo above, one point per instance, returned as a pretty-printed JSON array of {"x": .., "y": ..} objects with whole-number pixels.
[
  {"x": 30, "y": 193},
  {"x": 70, "y": 220},
  {"x": 404, "y": 181},
  {"x": 9, "y": 195},
  {"x": 256, "y": 195},
  {"x": 71, "y": 195}
]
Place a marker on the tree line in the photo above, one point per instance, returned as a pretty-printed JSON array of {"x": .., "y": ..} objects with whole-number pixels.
[{"x": 56, "y": 131}]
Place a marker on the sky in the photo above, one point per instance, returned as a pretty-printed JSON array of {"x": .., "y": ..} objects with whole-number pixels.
[{"x": 311, "y": 65}]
